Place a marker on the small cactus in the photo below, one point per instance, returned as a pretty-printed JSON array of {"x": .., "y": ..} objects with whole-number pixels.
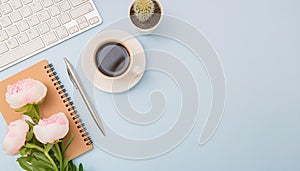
[{"x": 143, "y": 9}]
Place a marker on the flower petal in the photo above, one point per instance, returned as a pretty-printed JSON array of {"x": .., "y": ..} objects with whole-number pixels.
[
  {"x": 51, "y": 129},
  {"x": 26, "y": 91},
  {"x": 15, "y": 137}
]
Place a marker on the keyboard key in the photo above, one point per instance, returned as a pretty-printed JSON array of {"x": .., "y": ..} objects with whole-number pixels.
[
  {"x": 81, "y": 10},
  {"x": 50, "y": 38},
  {"x": 36, "y": 6},
  {"x": 3, "y": 48},
  {"x": 94, "y": 20},
  {"x": 5, "y": 9},
  {"x": 83, "y": 25},
  {"x": 3, "y": 35},
  {"x": 33, "y": 20},
  {"x": 81, "y": 19},
  {"x": 5, "y": 21},
  {"x": 73, "y": 29},
  {"x": 56, "y": 1},
  {"x": 12, "y": 30},
  {"x": 77, "y": 2},
  {"x": 43, "y": 28},
  {"x": 62, "y": 32},
  {"x": 25, "y": 2},
  {"x": 16, "y": 4},
  {"x": 16, "y": 16},
  {"x": 54, "y": 23},
  {"x": 33, "y": 33},
  {"x": 12, "y": 43},
  {"x": 23, "y": 38},
  {"x": 64, "y": 18},
  {"x": 44, "y": 15},
  {"x": 22, "y": 51},
  {"x": 54, "y": 11},
  {"x": 26, "y": 11},
  {"x": 23, "y": 25},
  {"x": 47, "y": 3},
  {"x": 64, "y": 6}
]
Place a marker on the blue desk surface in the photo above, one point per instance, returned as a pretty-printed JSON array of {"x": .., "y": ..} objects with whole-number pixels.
[{"x": 258, "y": 44}]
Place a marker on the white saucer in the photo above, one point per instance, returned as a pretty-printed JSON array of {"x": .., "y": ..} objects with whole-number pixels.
[{"x": 114, "y": 84}]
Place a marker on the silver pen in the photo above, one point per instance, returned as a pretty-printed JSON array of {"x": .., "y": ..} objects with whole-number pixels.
[{"x": 76, "y": 82}]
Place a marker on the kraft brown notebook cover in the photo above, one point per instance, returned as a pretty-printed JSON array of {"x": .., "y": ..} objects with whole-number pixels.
[{"x": 56, "y": 101}]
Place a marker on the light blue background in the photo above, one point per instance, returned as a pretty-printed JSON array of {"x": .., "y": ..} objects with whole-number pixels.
[{"x": 258, "y": 43}]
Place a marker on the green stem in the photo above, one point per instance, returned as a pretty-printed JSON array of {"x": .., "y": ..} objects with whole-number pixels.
[
  {"x": 36, "y": 112},
  {"x": 60, "y": 157},
  {"x": 46, "y": 154},
  {"x": 51, "y": 161},
  {"x": 36, "y": 147}
]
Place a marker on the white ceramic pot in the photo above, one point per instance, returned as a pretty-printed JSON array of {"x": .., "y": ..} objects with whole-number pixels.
[{"x": 147, "y": 31}]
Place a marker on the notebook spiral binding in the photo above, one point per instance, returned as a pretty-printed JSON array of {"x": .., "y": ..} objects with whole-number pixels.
[{"x": 68, "y": 103}]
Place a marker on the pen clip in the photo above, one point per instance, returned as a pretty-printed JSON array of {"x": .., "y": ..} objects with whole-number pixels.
[{"x": 71, "y": 78}]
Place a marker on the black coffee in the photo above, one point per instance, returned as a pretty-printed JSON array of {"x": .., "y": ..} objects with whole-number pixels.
[{"x": 112, "y": 59}]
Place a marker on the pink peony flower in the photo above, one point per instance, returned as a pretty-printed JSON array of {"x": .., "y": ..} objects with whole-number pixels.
[
  {"x": 26, "y": 91},
  {"x": 15, "y": 137},
  {"x": 50, "y": 129}
]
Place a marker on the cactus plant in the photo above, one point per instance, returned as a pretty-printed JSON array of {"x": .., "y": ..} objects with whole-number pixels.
[
  {"x": 145, "y": 15},
  {"x": 143, "y": 9}
]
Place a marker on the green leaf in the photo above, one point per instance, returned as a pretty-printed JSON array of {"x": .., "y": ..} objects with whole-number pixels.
[
  {"x": 29, "y": 136},
  {"x": 66, "y": 164},
  {"x": 30, "y": 114},
  {"x": 23, "y": 151},
  {"x": 24, "y": 162},
  {"x": 36, "y": 106},
  {"x": 31, "y": 125},
  {"x": 41, "y": 164},
  {"x": 68, "y": 144},
  {"x": 29, "y": 108},
  {"x": 48, "y": 147},
  {"x": 40, "y": 169},
  {"x": 36, "y": 142},
  {"x": 41, "y": 156},
  {"x": 27, "y": 145},
  {"x": 55, "y": 153},
  {"x": 36, "y": 111},
  {"x": 34, "y": 146},
  {"x": 80, "y": 167},
  {"x": 22, "y": 110},
  {"x": 72, "y": 166}
]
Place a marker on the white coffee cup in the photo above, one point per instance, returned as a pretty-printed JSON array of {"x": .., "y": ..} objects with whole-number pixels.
[
  {"x": 113, "y": 50},
  {"x": 121, "y": 82}
]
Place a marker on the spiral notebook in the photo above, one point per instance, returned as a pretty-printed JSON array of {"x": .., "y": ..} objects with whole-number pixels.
[{"x": 57, "y": 100}]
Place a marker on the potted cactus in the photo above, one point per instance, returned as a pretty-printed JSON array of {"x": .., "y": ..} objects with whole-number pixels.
[{"x": 145, "y": 15}]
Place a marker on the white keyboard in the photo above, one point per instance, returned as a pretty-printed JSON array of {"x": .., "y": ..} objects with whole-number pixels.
[{"x": 28, "y": 27}]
